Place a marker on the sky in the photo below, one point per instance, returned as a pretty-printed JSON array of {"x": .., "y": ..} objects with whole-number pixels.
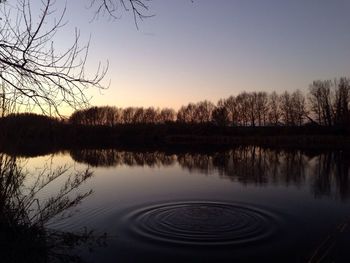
[{"x": 211, "y": 49}]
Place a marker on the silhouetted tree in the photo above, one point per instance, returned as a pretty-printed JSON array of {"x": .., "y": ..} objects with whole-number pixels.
[
  {"x": 252, "y": 107},
  {"x": 274, "y": 113},
  {"x": 342, "y": 102},
  {"x": 328, "y": 101},
  {"x": 286, "y": 108},
  {"x": 118, "y": 115},
  {"x": 220, "y": 116},
  {"x": 231, "y": 107},
  {"x": 34, "y": 73},
  {"x": 186, "y": 113},
  {"x": 293, "y": 108},
  {"x": 139, "y": 115},
  {"x": 298, "y": 107},
  {"x": 320, "y": 97},
  {"x": 167, "y": 115},
  {"x": 151, "y": 115},
  {"x": 128, "y": 115},
  {"x": 113, "y": 8},
  {"x": 110, "y": 116},
  {"x": 243, "y": 108},
  {"x": 203, "y": 112},
  {"x": 262, "y": 107},
  {"x": 3, "y": 102}
]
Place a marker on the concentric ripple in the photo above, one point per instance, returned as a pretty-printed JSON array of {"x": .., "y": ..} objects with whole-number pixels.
[{"x": 203, "y": 223}]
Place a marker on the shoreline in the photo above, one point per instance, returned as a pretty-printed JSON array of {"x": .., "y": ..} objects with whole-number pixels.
[{"x": 181, "y": 143}]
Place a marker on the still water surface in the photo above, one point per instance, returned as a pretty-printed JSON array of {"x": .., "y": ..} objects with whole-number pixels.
[{"x": 246, "y": 204}]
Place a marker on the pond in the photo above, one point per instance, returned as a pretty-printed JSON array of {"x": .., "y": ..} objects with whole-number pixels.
[{"x": 245, "y": 204}]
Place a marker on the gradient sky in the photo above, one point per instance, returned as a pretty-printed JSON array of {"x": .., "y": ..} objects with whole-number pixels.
[{"x": 211, "y": 49}]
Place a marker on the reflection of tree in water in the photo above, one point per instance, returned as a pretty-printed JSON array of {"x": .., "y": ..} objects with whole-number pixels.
[
  {"x": 113, "y": 157},
  {"x": 196, "y": 162},
  {"x": 331, "y": 175},
  {"x": 255, "y": 165},
  {"x": 292, "y": 167},
  {"x": 245, "y": 164},
  {"x": 23, "y": 217}
]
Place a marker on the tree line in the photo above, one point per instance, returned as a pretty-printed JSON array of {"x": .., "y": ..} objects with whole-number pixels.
[{"x": 326, "y": 103}]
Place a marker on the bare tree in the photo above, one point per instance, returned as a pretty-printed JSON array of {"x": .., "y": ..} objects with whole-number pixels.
[
  {"x": 167, "y": 115},
  {"x": 128, "y": 115},
  {"x": 286, "y": 108},
  {"x": 221, "y": 116},
  {"x": 329, "y": 101},
  {"x": 293, "y": 108},
  {"x": 110, "y": 114},
  {"x": 203, "y": 111},
  {"x": 139, "y": 115},
  {"x": 151, "y": 115},
  {"x": 321, "y": 101},
  {"x": 242, "y": 108},
  {"x": 274, "y": 114},
  {"x": 33, "y": 72},
  {"x": 186, "y": 113},
  {"x": 342, "y": 102},
  {"x": 261, "y": 107},
  {"x": 113, "y": 8},
  {"x": 252, "y": 107},
  {"x": 298, "y": 107},
  {"x": 232, "y": 109}
]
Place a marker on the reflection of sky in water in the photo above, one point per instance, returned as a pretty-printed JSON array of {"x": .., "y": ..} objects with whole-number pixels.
[{"x": 306, "y": 199}]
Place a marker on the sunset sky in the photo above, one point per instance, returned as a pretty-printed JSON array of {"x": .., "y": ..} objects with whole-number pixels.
[{"x": 209, "y": 49}]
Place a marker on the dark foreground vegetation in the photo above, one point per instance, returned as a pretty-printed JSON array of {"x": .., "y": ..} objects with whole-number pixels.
[{"x": 24, "y": 220}]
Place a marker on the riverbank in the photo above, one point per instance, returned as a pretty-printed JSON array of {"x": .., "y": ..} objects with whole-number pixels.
[{"x": 35, "y": 133}]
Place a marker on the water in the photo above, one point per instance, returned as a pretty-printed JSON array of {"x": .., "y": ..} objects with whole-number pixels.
[
  {"x": 202, "y": 223},
  {"x": 246, "y": 204}
]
